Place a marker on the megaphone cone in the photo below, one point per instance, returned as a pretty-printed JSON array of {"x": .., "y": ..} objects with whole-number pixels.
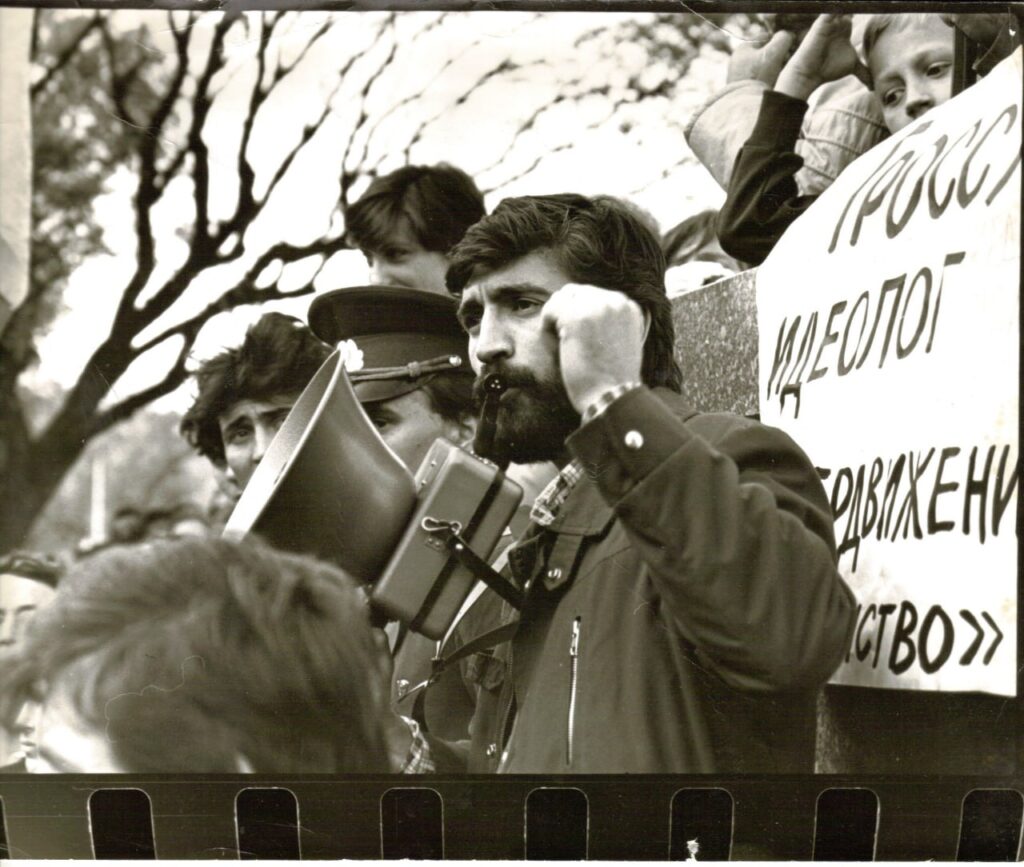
[{"x": 329, "y": 485}]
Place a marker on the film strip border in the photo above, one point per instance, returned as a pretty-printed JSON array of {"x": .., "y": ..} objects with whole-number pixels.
[{"x": 639, "y": 818}]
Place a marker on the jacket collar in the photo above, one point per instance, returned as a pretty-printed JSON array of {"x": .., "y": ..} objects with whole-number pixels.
[{"x": 584, "y": 513}]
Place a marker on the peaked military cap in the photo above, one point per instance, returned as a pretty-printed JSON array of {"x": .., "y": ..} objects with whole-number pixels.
[{"x": 395, "y": 330}]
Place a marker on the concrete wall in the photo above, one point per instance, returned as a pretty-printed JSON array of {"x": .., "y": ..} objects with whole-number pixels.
[{"x": 860, "y": 730}]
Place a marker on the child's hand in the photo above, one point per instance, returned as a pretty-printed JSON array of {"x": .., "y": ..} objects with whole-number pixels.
[
  {"x": 762, "y": 63},
  {"x": 824, "y": 55}
]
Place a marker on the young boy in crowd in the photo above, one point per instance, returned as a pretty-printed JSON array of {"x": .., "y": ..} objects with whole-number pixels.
[
  {"x": 910, "y": 70},
  {"x": 407, "y": 221}
]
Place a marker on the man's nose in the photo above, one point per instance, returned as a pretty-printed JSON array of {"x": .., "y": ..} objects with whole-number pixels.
[
  {"x": 493, "y": 342},
  {"x": 261, "y": 442}
]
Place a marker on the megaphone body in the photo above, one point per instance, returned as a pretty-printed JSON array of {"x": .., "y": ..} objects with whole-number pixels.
[{"x": 330, "y": 486}]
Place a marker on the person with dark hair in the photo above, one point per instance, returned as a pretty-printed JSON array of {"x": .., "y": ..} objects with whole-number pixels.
[
  {"x": 245, "y": 393},
  {"x": 682, "y": 606},
  {"x": 407, "y": 221},
  {"x": 203, "y": 656},
  {"x": 598, "y": 241}
]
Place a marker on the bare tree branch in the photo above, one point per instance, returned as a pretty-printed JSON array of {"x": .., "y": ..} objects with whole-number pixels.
[
  {"x": 201, "y": 103},
  {"x": 308, "y": 132},
  {"x": 149, "y": 187},
  {"x": 468, "y": 91},
  {"x": 346, "y": 177},
  {"x": 64, "y": 57},
  {"x": 283, "y": 69},
  {"x": 530, "y": 122},
  {"x": 564, "y": 146},
  {"x": 246, "y": 175},
  {"x": 118, "y": 81},
  {"x": 127, "y": 407},
  {"x": 246, "y": 291},
  {"x": 370, "y": 129}
]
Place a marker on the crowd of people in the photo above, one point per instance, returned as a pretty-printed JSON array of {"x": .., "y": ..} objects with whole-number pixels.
[{"x": 680, "y": 602}]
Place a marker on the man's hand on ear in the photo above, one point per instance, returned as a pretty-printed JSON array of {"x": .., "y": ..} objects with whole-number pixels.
[{"x": 600, "y": 336}]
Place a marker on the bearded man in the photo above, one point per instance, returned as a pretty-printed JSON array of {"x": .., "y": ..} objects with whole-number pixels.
[{"x": 682, "y": 603}]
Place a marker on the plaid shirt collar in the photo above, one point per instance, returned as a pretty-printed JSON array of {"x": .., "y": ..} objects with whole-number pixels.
[
  {"x": 419, "y": 759},
  {"x": 550, "y": 501}
]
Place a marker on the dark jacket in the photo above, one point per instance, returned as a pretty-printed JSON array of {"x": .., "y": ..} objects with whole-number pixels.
[
  {"x": 763, "y": 199},
  {"x": 684, "y": 609}
]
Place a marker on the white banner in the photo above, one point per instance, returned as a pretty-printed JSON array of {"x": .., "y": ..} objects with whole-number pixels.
[{"x": 889, "y": 339}]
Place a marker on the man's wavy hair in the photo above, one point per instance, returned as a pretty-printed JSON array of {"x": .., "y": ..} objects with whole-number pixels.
[
  {"x": 437, "y": 203},
  {"x": 278, "y": 357},
  {"x": 602, "y": 241},
  {"x": 190, "y": 654}
]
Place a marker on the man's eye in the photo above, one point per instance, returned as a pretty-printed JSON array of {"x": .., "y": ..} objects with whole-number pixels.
[
  {"x": 378, "y": 422},
  {"x": 522, "y": 305},
  {"x": 239, "y": 435},
  {"x": 937, "y": 70}
]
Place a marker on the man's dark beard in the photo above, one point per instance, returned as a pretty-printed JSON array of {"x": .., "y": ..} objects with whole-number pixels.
[{"x": 534, "y": 419}]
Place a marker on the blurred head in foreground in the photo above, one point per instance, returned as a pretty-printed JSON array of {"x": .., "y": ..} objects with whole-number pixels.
[
  {"x": 28, "y": 582},
  {"x": 202, "y": 656}
]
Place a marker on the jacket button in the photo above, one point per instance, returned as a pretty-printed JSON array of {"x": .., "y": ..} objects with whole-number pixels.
[
  {"x": 634, "y": 440},
  {"x": 554, "y": 574},
  {"x": 492, "y": 750},
  {"x": 403, "y": 687}
]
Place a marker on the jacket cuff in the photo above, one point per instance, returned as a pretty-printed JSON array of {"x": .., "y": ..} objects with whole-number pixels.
[
  {"x": 629, "y": 440},
  {"x": 779, "y": 121}
]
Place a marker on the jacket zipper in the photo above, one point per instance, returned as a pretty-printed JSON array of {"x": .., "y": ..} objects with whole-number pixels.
[
  {"x": 574, "y": 657},
  {"x": 502, "y": 734}
]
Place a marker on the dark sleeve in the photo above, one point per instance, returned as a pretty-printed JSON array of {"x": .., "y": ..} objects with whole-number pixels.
[
  {"x": 736, "y": 532},
  {"x": 763, "y": 199}
]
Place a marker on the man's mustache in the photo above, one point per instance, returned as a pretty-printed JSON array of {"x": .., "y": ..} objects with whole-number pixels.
[{"x": 514, "y": 377}]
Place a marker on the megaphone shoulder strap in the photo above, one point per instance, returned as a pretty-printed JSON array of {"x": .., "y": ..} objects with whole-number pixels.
[{"x": 489, "y": 639}]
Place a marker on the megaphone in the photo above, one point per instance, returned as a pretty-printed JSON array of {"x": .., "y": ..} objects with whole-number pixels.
[{"x": 329, "y": 485}]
